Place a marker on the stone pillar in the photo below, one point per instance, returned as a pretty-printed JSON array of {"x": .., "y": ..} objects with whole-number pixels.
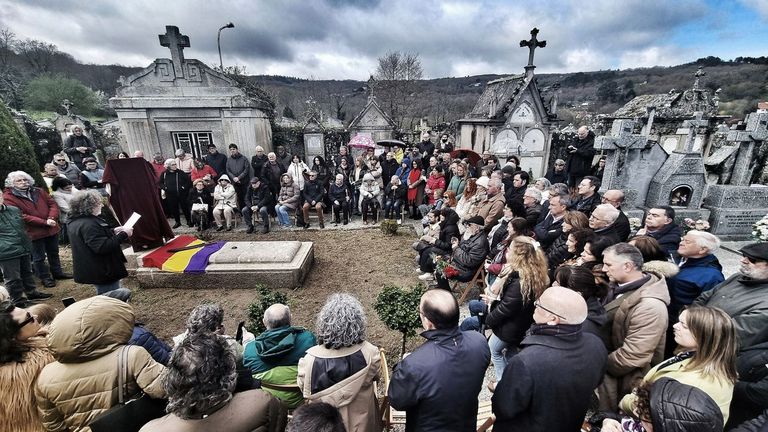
[{"x": 135, "y": 126}]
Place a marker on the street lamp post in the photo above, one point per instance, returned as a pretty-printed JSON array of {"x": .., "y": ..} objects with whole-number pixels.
[{"x": 218, "y": 42}]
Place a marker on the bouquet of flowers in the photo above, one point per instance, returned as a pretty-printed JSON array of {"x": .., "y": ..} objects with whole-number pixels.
[
  {"x": 443, "y": 266},
  {"x": 760, "y": 229},
  {"x": 635, "y": 223},
  {"x": 699, "y": 225}
]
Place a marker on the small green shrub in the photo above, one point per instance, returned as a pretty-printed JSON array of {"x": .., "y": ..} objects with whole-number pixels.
[
  {"x": 398, "y": 309},
  {"x": 389, "y": 226},
  {"x": 267, "y": 297}
]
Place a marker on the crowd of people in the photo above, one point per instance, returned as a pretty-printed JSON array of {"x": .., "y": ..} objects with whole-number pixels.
[{"x": 587, "y": 323}]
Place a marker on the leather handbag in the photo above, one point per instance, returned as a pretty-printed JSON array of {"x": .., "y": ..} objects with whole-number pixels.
[{"x": 129, "y": 415}]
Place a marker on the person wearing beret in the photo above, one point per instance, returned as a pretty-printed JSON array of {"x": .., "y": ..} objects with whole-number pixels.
[
  {"x": 744, "y": 296},
  {"x": 467, "y": 256}
]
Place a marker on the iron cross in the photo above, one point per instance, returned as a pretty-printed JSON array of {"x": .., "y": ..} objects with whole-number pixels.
[{"x": 532, "y": 44}]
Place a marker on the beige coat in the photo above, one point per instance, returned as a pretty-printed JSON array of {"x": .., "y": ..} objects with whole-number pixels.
[
  {"x": 84, "y": 339},
  {"x": 253, "y": 410},
  {"x": 638, "y": 321},
  {"x": 354, "y": 396},
  {"x": 18, "y": 410},
  {"x": 491, "y": 210}
]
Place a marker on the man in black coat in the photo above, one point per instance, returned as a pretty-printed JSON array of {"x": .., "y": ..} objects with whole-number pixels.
[
  {"x": 271, "y": 173},
  {"x": 581, "y": 151},
  {"x": 216, "y": 160},
  {"x": 547, "y": 386},
  {"x": 615, "y": 197},
  {"x": 259, "y": 160},
  {"x": 258, "y": 198},
  {"x": 603, "y": 222},
  {"x": 468, "y": 255},
  {"x": 549, "y": 229},
  {"x": 312, "y": 195},
  {"x": 588, "y": 196},
  {"x": 175, "y": 185},
  {"x": 426, "y": 148},
  {"x": 660, "y": 224},
  {"x": 557, "y": 173},
  {"x": 437, "y": 385}
]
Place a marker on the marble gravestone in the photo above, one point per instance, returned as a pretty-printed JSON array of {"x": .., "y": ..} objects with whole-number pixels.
[{"x": 239, "y": 264}]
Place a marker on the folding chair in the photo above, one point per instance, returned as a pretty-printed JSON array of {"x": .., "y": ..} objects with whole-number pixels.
[
  {"x": 389, "y": 416},
  {"x": 477, "y": 280},
  {"x": 485, "y": 418}
]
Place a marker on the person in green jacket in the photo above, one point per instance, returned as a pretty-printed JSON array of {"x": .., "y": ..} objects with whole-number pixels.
[
  {"x": 273, "y": 357},
  {"x": 15, "y": 264}
]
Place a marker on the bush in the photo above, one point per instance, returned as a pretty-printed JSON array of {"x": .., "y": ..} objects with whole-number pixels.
[
  {"x": 267, "y": 297},
  {"x": 16, "y": 152},
  {"x": 398, "y": 309},
  {"x": 389, "y": 226},
  {"x": 46, "y": 93}
]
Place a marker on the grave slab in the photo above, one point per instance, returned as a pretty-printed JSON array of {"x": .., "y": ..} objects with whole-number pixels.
[{"x": 278, "y": 264}]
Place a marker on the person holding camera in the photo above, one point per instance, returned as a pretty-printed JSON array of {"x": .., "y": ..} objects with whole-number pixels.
[{"x": 581, "y": 151}]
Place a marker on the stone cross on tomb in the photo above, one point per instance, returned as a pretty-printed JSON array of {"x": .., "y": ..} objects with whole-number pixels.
[
  {"x": 67, "y": 106},
  {"x": 699, "y": 73},
  {"x": 617, "y": 146},
  {"x": 755, "y": 132},
  {"x": 371, "y": 87},
  {"x": 693, "y": 126},
  {"x": 176, "y": 42},
  {"x": 532, "y": 44}
]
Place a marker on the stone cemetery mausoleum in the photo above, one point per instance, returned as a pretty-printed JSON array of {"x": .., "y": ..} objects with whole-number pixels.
[{"x": 182, "y": 103}]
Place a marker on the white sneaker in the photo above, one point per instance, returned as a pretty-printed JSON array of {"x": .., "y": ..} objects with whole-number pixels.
[{"x": 426, "y": 277}]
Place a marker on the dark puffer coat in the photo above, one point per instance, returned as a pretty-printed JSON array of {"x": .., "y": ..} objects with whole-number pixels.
[
  {"x": 96, "y": 254},
  {"x": 677, "y": 407}
]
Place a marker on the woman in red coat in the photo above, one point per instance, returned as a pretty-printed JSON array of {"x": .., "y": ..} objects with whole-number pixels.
[{"x": 415, "y": 188}]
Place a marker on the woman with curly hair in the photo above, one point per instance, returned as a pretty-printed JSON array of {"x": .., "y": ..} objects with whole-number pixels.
[
  {"x": 510, "y": 299},
  {"x": 706, "y": 359},
  {"x": 22, "y": 356},
  {"x": 97, "y": 257},
  {"x": 342, "y": 368},
  {"x": 201, "y": 392}
]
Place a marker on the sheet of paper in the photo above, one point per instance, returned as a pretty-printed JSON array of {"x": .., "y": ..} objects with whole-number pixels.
[{"x": 132, "y": 220}]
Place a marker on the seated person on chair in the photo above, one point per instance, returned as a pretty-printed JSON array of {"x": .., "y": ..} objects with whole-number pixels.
[
  {"x": 258, "y": 199},
  {"x": 313, "y": 193},
  {"x": 394, "y": 197},
  {"x": 201, "y": 203},
  {"x": 467, "y": 256},
  {"x": 274, "y": 356},
  {"x": 369, "y": 198},
  {"x": 340, "y": 197},
  {"x": 439, "y": 245},
  {"x": 226, "y": 203}
]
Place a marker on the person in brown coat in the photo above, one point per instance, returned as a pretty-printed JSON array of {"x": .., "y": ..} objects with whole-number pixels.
[
  {"x": 492, "y": 208},
  {"x": 636, "y": 305},
  {"x": 86, "y": 339},
  {"x": 201, "y": 381}
]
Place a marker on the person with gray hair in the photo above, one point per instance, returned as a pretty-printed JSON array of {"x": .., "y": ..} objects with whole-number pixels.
[
  {"x": 342, "y": 368},
  {"x": 184, "y": 162},
  {"x": 556, "y": 357},
  {"x": 69, "y": 170},
  {"x": 40, "y": 214},
  {"x": 636, "y": 305},
  {"x": 603, "y": 222},
  {"x": 700, "y": 270},
  {"x": 551, "y": 227},
  {"x": 273, "y": 357},
  {"x": 491, "y": 209},
  {"x": 97, "y": 255},
  {"x": 532, "y": 204},
  {"x": 200, "y": 384},
  {"x": 175, "y": 185},
  {"x": 78, "y": 146}
]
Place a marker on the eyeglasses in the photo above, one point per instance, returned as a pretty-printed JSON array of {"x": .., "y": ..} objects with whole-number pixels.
[
  {"x": 538, "y": 305},
  {"x": 58, "y": 160},
  {"x": 30, "y": 319}
]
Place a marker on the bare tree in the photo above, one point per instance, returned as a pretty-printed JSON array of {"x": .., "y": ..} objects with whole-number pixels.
[
  {"x": 39, "y": 55},
  {"x": 397, "y": 74}
]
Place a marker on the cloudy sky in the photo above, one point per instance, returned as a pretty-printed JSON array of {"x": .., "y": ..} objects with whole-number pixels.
[{"x": 338, "y": 39}]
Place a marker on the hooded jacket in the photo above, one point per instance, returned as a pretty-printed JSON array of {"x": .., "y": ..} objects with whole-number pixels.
[
  {"x": 83, "y": 381},
  {"x": 352, "y": 393},
  {"x": 18, "y": 411},
  {"x": 35, "y": 211},
  {"x": 273, "y": 357},
  {"x": 677, "y": 407},
  {"x": 637, "y": 325},
  {"x": 225, "y": 196},
  {"x": 14, "y": 242}
]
